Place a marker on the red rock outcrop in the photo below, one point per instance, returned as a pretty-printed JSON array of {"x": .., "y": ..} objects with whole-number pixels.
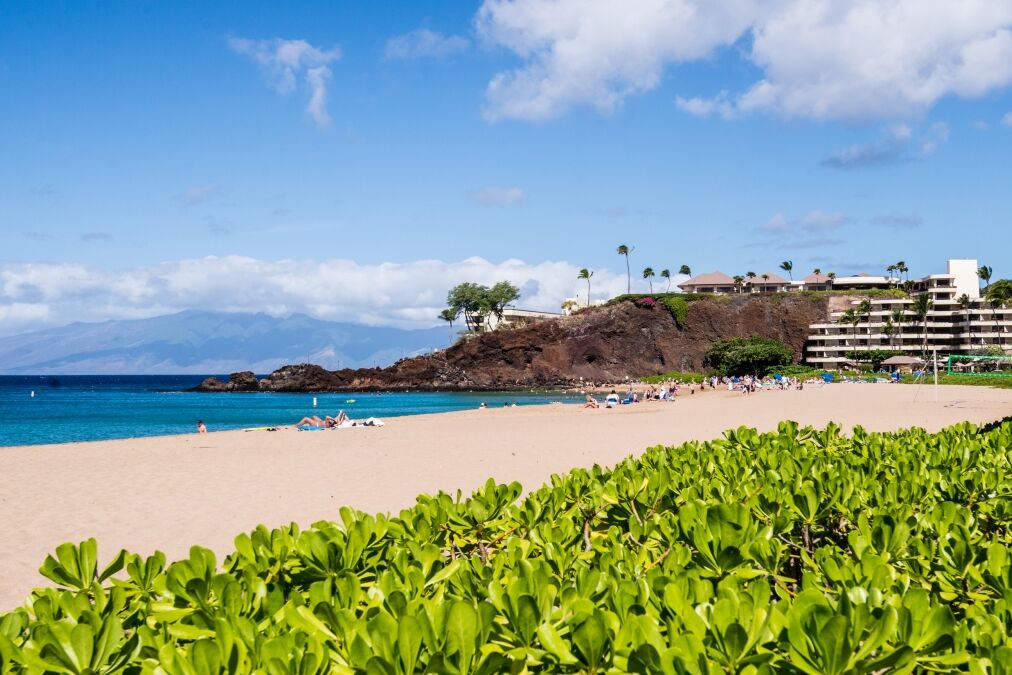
[{"x": 605, "y": 344}]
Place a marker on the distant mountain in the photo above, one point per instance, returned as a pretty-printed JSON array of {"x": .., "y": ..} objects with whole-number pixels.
[{"x": 208, "y": 342}]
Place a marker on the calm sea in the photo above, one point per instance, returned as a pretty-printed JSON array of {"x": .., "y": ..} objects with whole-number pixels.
[{"x": 90, "y": 408}]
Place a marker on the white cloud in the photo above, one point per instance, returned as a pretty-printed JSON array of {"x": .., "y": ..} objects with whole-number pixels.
[
  {"x": 1007, "y": 119},
  {"x": 284, "y": 61},
  {"x": 819, "y": 58},
  {"x": 498, "y": 196},
  {"x": 424, "y": 43},
  {"x": 409, "y": 295}
]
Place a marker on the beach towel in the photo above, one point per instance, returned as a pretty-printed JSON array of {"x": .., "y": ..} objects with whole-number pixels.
[{"x": 307, "y": 427}]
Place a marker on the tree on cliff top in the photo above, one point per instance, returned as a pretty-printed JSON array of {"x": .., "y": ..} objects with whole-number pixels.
[{"x": 476, "y": 302}]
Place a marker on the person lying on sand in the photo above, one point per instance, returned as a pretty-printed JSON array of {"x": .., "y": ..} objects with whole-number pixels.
[{"x": 323, "y": 423}]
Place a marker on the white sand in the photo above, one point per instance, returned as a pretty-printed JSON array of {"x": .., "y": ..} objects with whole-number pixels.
[{"x": 171, "y": 492}]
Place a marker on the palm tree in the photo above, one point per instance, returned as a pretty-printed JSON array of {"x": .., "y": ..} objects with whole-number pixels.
[
  {"x": 684, "y": 269},
  {"x": 816, "y": 271},
  {"x": 449, "y": 316},
  {"x": 739, "y": 282},
  {"x": 889, "y": 329},
  {"x": 766, "y": 279},
  {"x": 889, "y": 274},
  {"x": 751, "y": 276},
  {"x": 898, "y": 317},
  {"x": 851, "y": 318},
  {"x": 787, "y": 266},
  {"x": 922, "y": 305},
  {"x": 625, "y": 250},
  {"x": 666, "y": 274},
  {"x": 831, "y": 276},
  {"x": 999, "y": 294},
  {"x": 964, "y": 303},
  {"x": 586, "y": 274},
  {"x": 864, "y": 310},
  {"x": 984, "y": 272},
  {"x": 648, "y": 274},
  {"x": 902, "y": 268}
]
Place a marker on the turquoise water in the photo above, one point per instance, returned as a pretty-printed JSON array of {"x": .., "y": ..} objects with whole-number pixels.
[{"x": 90, "y": 408}]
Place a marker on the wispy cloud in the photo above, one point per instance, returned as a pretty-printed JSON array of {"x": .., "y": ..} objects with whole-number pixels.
[
  {"x": 424, "y": 43},
  {"x": 811, "y": 230},
  {"x": 96, "y": 236},
  {"x": 1007, "y": 119},
  {"x": 900, "y": 144},
  {"x": 283, "y": 62},
  {"x": 196, "y": 194},
  {"x": 498, "y": 196},
  {"x": 897, "y": 221}
]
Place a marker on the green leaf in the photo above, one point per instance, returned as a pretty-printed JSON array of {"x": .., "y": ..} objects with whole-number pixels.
[{"x": 591, "y": 640}]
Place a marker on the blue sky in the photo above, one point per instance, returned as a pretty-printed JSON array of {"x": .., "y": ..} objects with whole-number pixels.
[{"x": 141, "y": 138}]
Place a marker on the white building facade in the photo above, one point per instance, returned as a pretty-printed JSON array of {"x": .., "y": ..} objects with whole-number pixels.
[{"x": 949, "y": 326}]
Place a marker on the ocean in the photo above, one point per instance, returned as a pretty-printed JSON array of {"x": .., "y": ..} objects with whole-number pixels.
[{"x": 61, "y": 409}]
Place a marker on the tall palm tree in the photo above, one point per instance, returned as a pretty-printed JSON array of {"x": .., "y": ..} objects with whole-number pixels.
[
  {"x": 850, "y": 318},
  {"x": 984, "y": 272},
  {"x": 625, "y": 250},
  {"x": 832, "y": 277},
  {"x": 864, "y": 310},
  {"x": 750, "y": 276},
  {"x": 739, "y": 281},
  {"x": 889, "y": 329},
  {"x": 999, "y": 294},
  {"x": 965, "y": 303},
  {"x": 666, "y": 274},
  {"x": 684, "y": 269},
  {"x": 766, "y": 279},
  {"x": 889, "y": 274},
  {"x": 898, "y": 317},
  {"x": 648, "y": 274},
  {"x": 922, "y": 305},
  {"x": 902, "y": 268},
  {"x": 787, "y": 266},
  {"x": 586, "y": 274},
  {"x": 816, "y": 271}
]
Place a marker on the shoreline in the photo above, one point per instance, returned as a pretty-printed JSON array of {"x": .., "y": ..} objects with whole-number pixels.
[{"x": 170, "y": 492}]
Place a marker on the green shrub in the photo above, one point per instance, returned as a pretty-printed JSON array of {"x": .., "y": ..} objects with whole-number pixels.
[
  {"x": 747, "y": 356},
  {"x": 678, "y": 307},
  {"x": 799, "y": 551}
]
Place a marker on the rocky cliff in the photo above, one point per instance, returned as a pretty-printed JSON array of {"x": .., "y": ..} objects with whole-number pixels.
[{"x": 604, "y": 344}]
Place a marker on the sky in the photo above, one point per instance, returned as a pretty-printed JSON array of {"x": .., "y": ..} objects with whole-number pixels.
[{"x": 354, "y": 160}]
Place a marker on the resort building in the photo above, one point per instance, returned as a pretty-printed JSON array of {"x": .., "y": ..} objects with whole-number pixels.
[
  {"x": 709, "y": 282},
  {"x": 512, "y": 318},
  {"x": 951, "y": 326}
]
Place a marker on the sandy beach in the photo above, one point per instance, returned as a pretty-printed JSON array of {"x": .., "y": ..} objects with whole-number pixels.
[{"x": 171, "y": 492}]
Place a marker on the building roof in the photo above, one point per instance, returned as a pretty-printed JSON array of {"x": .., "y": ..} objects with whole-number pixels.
[
  {"x": 902, "y": 361},
  {"x": 708, "y": 279},
  {"x": 817, "y": 279},
  {"x": 773, "y": 279}
]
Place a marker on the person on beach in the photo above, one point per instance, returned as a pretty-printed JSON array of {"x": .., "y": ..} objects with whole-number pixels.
[
  {"x": 611, "y": 400},
  {"x": 201, "y": 429},
  {"x": 591, "y": 403},
  {"x": 324, "y": 422}
]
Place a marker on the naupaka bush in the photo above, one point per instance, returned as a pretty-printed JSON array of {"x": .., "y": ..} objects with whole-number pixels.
[{"x": 803, "y": 550}]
